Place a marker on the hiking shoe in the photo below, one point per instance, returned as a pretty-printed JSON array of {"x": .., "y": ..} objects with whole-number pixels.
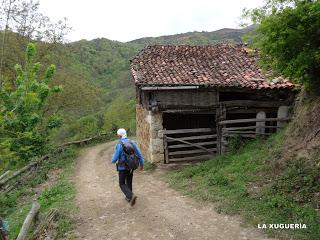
[
  {"x": 127, "y": 199},
  {"x": 133, "y": 200}
]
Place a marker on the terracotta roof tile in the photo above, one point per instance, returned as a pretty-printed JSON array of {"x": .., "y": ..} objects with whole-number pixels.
[{"x": 221, "y": 65}]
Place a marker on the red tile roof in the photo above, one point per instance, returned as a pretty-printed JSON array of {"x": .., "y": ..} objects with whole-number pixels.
[{"x": 221, "y": 65}]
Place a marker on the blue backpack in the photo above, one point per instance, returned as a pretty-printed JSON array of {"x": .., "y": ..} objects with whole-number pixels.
[{"x": 131, "y": 158}]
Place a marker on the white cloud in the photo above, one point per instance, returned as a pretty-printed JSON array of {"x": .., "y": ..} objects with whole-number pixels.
[{"x": 125, "y": 20}]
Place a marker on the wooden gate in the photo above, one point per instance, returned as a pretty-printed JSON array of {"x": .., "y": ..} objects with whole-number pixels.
[
  {"x": 203, "y": 143},
  {"x": 189, "y": 144}
]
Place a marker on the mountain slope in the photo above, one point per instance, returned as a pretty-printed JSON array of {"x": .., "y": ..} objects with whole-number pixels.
[{"x": 198, "y": 38}]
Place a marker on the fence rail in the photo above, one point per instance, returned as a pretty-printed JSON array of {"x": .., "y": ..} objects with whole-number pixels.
[
  {"x": 203, "y": 143},
  {"x": 9, "y": 180},
  {"x": 252, "y": 120},
  {"x": 239, "y": 127},
  {"x": 189, "y": 144}
]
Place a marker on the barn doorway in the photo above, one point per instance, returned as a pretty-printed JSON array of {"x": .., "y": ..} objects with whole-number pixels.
[{"x": 189, "y": 136}]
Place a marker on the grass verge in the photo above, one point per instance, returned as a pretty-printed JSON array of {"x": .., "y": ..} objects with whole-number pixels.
[
  {"x": 149, "y": 166},
  {"x": 58, "y": 193},
  {"x": 252, "y": 183}
]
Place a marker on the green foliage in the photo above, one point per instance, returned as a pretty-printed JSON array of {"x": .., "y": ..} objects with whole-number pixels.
[
  {"x": 300, "y": 181},
  {"x": 16, "y": 220},
  {"x": 59, "y": 194},
  {"x": 236, "y": 142},
  {"x": 245, "y": 183},
  {"x": 121, "y": 114},
  {"x": 289, "y": 40},
  {"x": 197, "y": 38},
  {"x": 82, "y": 128},
  {"x": 22, "y": 125},
  {"x": 149, "y": 167}
]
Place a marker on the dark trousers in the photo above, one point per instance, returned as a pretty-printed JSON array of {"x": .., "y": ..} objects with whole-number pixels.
[{"x": 125, "y": 183}]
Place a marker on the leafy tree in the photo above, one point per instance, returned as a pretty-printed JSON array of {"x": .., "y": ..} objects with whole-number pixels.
[
  {"x": 23, "y": 17},
  {"x": 24, "y": 130},
  {"x": 121, "y": 113},
  {"x": 288, "y": 37}
]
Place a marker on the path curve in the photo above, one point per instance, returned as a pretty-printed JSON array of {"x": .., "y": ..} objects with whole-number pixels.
[{"x": 160, "y": 212}]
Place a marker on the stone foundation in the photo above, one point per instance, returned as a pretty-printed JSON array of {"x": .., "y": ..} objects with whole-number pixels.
[{"x": 150, "y": 134}]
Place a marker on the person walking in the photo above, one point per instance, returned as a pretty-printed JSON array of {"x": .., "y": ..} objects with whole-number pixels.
[{"x": 120, "y": 156}]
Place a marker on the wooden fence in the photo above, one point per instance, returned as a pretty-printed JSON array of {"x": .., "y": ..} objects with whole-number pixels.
[
  {"x": 247, "y": 128},
  {"x": 203, "y": 143},
  {"x": 9, "y": 180},
  {"x": 189, "y": 144}
]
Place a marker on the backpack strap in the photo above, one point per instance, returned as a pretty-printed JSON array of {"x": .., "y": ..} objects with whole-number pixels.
[{"x": 125, "y": 162}]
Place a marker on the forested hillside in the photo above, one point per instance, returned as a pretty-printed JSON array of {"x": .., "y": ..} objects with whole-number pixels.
[
  {"x": 96, "y": 80},
  {"x": 98, "y": 92},
  {"x": 198, "y": 38}
]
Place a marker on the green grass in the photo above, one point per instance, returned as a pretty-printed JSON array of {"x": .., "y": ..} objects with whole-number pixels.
[
  {"x": 61, "y": 195},
  {"x": 16, "y": 204},
  {"x": 149, "y": 167},
  {"x": 250, "y": 182}
]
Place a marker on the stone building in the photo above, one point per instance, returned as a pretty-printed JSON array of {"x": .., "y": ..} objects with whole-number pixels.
[{"x": 192, "y": 99}]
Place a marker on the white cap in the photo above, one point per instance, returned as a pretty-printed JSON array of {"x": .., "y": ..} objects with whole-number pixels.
[{"x": 122, "y": 132}]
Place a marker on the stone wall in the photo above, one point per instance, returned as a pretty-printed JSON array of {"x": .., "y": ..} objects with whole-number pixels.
[
  {"x": 143, "y": 131},
  {"x": 150, "y": 134},
  {"x": 156, "y": 137}
]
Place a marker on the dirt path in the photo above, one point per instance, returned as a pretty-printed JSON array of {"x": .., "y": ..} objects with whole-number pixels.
[{"x": 160, "y": 212}]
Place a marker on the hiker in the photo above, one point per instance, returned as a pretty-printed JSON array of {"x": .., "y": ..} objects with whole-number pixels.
[
  {"x": 3, "y": 230},
  {"x": 128, "y": 157}
]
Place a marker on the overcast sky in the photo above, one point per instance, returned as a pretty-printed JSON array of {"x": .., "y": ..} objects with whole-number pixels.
[{"x": 126, "y": 20}]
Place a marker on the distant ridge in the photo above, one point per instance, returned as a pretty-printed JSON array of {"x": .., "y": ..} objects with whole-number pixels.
[{"x": 198, "y": 38}]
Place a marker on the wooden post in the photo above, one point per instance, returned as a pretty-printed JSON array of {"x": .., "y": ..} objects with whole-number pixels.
[
  {"x": 165, "y": 148},
  {"x": 223, "y": 117},
  {"x": 27, "y": 222},
  {"x": 260, "y": 130},
  {"x": 283, "y": 112},
  {"x": 218, "y": 131},
  {"x": 5, "y": 175},
  {"x": 221, "y": 114}
]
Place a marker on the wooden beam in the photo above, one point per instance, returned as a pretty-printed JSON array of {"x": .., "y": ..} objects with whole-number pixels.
[
  {"x": 245, "y": 132},
  {"x": 27, "y": 222},
  {"x": 186, "y": 145},
  {"x": 191, "y": 144},
  {"x": 186, "y": 106},
  {"x": 190, "y": 111},
  {"x": 192, "y": 130},
  {"x": 4, "y": 175},
  {"x": 242, "y": 135},
  {"x": 254, "y": 103},
  {"x": 17, "y": 173},
  {"x": 237, "y": 110},
  {"x": 194, "y": 137},
  {"x": 192, "y": 151},
  {"x": 194, "y": 158},
  {"x": 249, "y": 128},
  {"x": 252, "y": 120}
]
